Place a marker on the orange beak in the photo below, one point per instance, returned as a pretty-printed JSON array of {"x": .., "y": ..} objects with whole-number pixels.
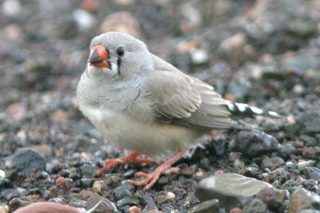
[{"x": 99, "y": 57}]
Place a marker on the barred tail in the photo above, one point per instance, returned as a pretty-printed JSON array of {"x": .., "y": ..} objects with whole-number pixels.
[{"x": 244, "y": 110}]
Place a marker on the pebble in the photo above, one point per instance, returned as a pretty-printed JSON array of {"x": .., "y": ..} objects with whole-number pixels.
[
  {"x": 192, "y": 17},
  {"x": 84, "y": 19},
  {"x": 134, "y": 209},
  {"x": 255, "y": 206},
  {"x": 231, "y": 189},
  {"x": 285, "y": 150},
  {"x": 199, "y": 56},
  {"x": 206, "y": 207},
  {"x": 303, "y": 199},
  {"x": 309, "y": 184},
  {"x": 2, "y": 174},
  {"x": 254, "y": 143},
  {"x": 274, "y": 198},
  {"x": 251, "y": 171},
  {"x": 26, "y": 160},
  {"x": 8, "y": 194},
  {"x": 16, "y": 110},
  {"x": 233, "y": 43},
  {"x": 87, "y": 170},
  {"x": 303, "y": 164},
  {"x": 87, "y": 182},
  {"x": 312, "y": 173},
  {"x": 103, "y": 206},
  {"x": 59, "y": 116},
  {"x": 4, "y": 209},
  {"x": 11, "y": 8},
  {"x": 310, "y": 153},
  {"x": 121, "y": 192},
  {"x": 278, "y": 174},
  {"x": 309, "y": 123},
  {"x": 272, "y": 162},
  {"x": 97, "y": 186},
  {"x": 309, "y": 140},
  {"x": 123, "y": 22}
]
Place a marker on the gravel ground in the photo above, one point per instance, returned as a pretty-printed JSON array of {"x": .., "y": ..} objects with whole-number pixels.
[{"x": 265, "y": 53}]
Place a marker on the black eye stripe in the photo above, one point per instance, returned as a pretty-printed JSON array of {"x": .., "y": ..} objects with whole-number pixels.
[{"x": 108, "y": 57}]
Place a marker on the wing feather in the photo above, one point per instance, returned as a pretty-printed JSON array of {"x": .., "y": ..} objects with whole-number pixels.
[{"x": 184, "y": 100}]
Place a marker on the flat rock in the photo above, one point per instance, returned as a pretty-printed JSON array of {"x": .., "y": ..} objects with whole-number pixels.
[{"x": 230, "y": 189}]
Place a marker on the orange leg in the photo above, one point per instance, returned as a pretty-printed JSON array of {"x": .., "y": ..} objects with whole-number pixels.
[
  {"x": 150, "y": 179},
  {"x": 131, "y": 157}
]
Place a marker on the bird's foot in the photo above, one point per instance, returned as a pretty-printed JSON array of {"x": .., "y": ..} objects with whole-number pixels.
[
  {"x": 131, "y": 157},
  {"x": 150, "y": 179}
]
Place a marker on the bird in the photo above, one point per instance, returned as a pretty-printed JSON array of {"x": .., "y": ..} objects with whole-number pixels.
[{"x": 142, "y": 103}]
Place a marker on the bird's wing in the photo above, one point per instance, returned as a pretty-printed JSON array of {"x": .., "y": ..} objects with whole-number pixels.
[{"x": 184, "y": 100}]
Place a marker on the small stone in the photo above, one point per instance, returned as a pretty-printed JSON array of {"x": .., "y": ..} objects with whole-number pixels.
[
  {"x": 199, "y": 56},
  {"x": 309, "y": 184},
  {"x": 8, "y": 194},
  {"x": 87, "y": 182},
  {"x": 134, "y": 209},
  {"x": 309, "y": 122},
  {"x": 285, "y": 150},
  {"x": 302, "y": 199},
  {"x": 255, "y": 206},
  {"x": 97, "y": 186},
  {"x": 254, "y": 143},
  {"x": 88, "y": 169},
  {"x": 233, "y": 43},
  {"x": 232, "y": 156},
  {"x": 4, "y": 209},
  {"x": 84, "y": 19},
  {"x": 274, "y": 198},
  {"x": 123, "y": 22},
  {"x": 206, "y": 207},
  {"x": 26, "y": 160},
  {"x": 11, "y": 8},
  {"x": 251, "y": 171},
  {"x": 121, "y": 192},
  {"x": 310, "y": 152},
  {"x": 272, "y": 162},
  {"x": 188, "y": 171},
  {"x": 170, "y": 196},
  {"x": 235, "y": 210},
  {"x": 127, "y": 201},
  {"x": 161, "y": 199},
  {"x": 303, "y": 164},
  {"x": 59, "y": 116},
  {"x": 312, "y": 173},
  {"x": 16, "y": 110},
  {"x": 278, "y": 174},
  {"x": 103, "y": 206},
  {"x": 2, "y": 174}
]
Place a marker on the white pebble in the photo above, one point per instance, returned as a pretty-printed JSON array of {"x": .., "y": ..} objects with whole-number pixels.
[
  {"x": 84, "y": 19},
  {"x": 199, "y": 56},
  {"x": 11, "y": 7}
]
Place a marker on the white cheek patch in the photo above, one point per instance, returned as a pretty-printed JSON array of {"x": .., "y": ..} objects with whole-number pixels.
[{"x": 114, "y": 67}]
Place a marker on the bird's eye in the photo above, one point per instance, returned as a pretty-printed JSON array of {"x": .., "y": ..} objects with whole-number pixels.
[{"x": 120, "y": 51}]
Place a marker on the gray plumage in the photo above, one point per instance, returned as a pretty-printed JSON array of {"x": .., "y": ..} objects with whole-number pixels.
[{"x": 143, "y": 103}]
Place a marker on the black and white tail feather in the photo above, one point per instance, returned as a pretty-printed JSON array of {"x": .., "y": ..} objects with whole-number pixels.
[{"x": 239, "y": 110}]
